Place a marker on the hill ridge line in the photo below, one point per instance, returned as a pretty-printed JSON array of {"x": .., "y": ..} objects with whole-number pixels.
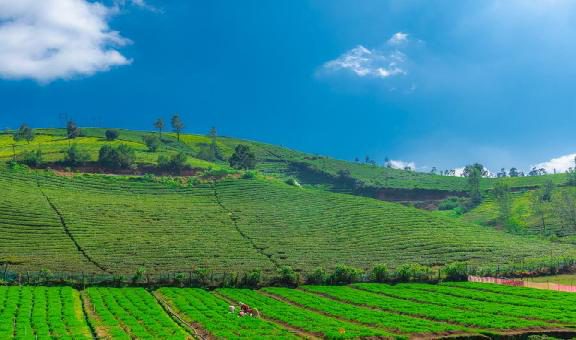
[
  {"x": 67, "y": 230},
  {"x": 235, "y": 223}
]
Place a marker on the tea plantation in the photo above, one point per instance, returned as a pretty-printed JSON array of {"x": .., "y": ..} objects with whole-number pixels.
[
  {"x": 402, "y": 311},
  {"x": 97, "y": 224}
]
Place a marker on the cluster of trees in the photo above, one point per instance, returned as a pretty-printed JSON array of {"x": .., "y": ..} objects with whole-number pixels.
[{"x": 124, "y": 157}]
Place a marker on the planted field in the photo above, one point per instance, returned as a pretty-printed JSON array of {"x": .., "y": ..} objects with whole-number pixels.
[
  {"x": 117, "y": 225},
  {"x": 301, "y": 318},
  {"x": 41, "y": 313},
  {"x": 129, "y": 313},
  {"x": 210, "y": 313}
]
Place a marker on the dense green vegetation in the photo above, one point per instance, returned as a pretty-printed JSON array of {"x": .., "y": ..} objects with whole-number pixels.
[
  {"x": 129, "y": 313},
  {"x": 41, "y": 313}
]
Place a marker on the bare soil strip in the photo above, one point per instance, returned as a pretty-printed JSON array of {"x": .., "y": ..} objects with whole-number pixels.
[{"x": 99, "y": 331}]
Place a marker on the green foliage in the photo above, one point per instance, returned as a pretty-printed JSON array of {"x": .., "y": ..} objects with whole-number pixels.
[
  {"x": 286, "y": 276},
  {"x": 453, "y": 203},
  {"x": 317, "y": 277},
  {"x": 121, "y": 157},
  {"x": 293, "y": 182},
  {"x": 504, "y": 201},
  {"x": 413, "y": 272},
  {"x": 243, "y": 158},
  {"x": 112, "y": 134},
  {"x": 379, "y": 273},
  {"x": 74, "y": 156},
  {"x": 456, "y": 271},
  {"x": 249, "y": 174},
  {"x": 24, "y": 132},
  {"x": 175, "y": 163},
  {"x": 344, "y": 274},
  {"x": 474, "y": 173},
  {"x": 31, "y": 158},
  {"x": 152, "y": 142},
  {"x": 159, "y": 124},
  {"x": 251, "y": 279}
]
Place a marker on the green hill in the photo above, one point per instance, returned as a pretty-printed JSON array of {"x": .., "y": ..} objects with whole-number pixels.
[
  {"x": 310, "y": 170},
  {"x": 115, "y": 224}
]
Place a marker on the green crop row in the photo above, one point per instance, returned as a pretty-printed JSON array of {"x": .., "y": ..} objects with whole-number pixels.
[
  {"x": 41, "y": 313},
  {"x": 125, "y": 313},
  {"x": 468, "y": 318},
  {"x": 211, "y": 312}
]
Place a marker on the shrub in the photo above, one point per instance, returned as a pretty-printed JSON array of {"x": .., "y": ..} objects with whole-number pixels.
[
  {"x": 122, "y": 157},
  {"x": 450, "y": 203},
  {"x": 379, "y": 273},
  {"x": 112, "y": 134},
  {"x": 152, "y": 142},
  {"x": 175, "y": 163},
  {"x": 413, "y": 272},
  {"x": 251, "y": 279},
  {"x": 249, "y": 175},
  {"x": 317, "y": 277},
  {"x": 31, "y": 158},
  {"x": 75, "y": 156},
  {"x": 456, "y": 271},
  {"x": 287, "y": 277},
  {"x": 24, "y": 132},
  {"x": 344, "y": 274}
]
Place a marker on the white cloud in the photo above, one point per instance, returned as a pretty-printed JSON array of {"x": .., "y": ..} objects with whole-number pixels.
[
  {"x": 46, "y": 40},
  {"x": 360, "y": 61},
  {"x": 138, "y": 3},
  {"x": 560, "y": 164},
  {"x": 398, "y": 38},
  {"x": 398, "y": 164}
]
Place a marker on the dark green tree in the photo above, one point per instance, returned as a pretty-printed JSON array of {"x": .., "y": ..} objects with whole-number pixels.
[
  {"x": 177, "y": 125},
  {"x": 121, "y": 157},
  {"x": 474, "y": 173},
  {"x": 112, "y": 134},
  {"x": 513, "y": 172},
  {"x": 243, "y": 158},
  {"x": 176, "y": 162}
]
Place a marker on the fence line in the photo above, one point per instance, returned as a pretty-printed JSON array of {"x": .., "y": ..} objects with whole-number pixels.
[{"x": 521, "y": 283}]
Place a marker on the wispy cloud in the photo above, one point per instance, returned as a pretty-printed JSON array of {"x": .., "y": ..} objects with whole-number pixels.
[
  {"x": 57, "y": 39},
  {"x": 143, "y": 4},
  {"x": 384, "y": 62},
  {"x": 559, "y": 164}
]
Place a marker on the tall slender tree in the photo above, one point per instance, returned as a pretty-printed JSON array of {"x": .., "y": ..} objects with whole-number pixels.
[
  {"x": 177, "y": 125},
  {"x": 159, "y": 124}
]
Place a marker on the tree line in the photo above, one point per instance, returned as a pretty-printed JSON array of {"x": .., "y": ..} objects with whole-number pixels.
[{"x": 123, "y": 156}]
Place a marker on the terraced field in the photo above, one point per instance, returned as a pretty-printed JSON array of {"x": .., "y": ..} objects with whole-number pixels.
[
  {"x": 116, "y": 225},
  {"x": 358, "y": 311}
]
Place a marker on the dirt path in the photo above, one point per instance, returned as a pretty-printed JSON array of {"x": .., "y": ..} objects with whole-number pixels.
[{"x": 192, "y": 328}]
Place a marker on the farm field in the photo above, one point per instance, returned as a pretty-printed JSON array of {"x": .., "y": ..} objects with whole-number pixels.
[
  {"x": 109, "y": 225},
  {"x": 336, "y": 312}
]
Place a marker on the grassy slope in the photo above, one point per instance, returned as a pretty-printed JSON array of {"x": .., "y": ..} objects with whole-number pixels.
[
  {"x": 274, "y": 160},
  {"x": 121, "y": 224}
]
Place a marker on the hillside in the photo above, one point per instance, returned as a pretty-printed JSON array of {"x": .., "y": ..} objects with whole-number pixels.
[
  {"x": 115, "y": 225},
  {"x": 310, "y": 170}
]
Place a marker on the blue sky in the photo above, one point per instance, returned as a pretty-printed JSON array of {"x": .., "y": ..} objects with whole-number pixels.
[{"x": 441, "y": 83}]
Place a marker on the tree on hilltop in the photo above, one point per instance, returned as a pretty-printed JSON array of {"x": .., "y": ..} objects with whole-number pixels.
[
  {"x": 177, "y": 125},
  {"x": 24, "y": 132},
  {"x": 159, "y": 124},
  {"x": 72, "y": 130},
  {"x": 474, "y": 173}
]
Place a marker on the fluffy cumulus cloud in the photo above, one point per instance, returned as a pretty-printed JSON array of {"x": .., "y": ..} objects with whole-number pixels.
[
  {"x": 559, "y": 164},
  {"x": 53, "y": 39},
  {"x": 384, "y": 62},
  {"x": 398, "y": 164}
]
